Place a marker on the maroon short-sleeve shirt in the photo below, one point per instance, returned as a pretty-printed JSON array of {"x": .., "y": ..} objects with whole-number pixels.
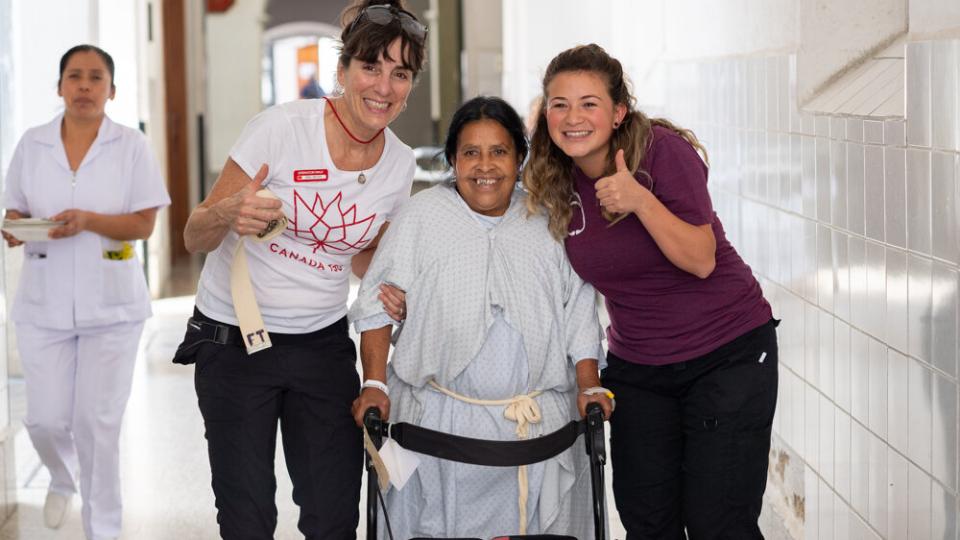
[{"x": 660, "y": 314}]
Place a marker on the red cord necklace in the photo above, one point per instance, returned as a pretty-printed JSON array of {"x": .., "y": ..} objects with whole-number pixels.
[{"x": 344, "y": 126}]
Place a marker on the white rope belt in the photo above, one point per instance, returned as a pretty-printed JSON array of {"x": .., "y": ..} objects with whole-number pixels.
[
  {"x": 255, "y": 336},
  {"x": 521, "y": 409}
]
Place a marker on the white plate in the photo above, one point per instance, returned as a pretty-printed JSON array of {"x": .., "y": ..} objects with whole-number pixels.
[{"x": 30, "y": 229}]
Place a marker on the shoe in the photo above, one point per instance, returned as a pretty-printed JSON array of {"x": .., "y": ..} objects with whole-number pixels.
[{"x": 55, "y": 509}]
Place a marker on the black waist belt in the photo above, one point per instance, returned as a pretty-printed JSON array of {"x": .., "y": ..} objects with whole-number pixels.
[
  {"x": 483, "y": 451},
  {"x": 202, "y": 329},
  {"x": 228, "y": 334}
]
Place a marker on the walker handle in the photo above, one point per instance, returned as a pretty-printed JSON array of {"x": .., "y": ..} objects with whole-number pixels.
[
  {"x": 596, "y": 440},
  {"x": 374, "y": 424},
  {"x": 596, "y": 448}
]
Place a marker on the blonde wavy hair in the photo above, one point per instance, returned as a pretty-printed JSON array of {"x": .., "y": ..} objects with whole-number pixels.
[{"x": 548, "y": 176}]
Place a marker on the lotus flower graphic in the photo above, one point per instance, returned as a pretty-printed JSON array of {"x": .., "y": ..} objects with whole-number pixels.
[{"x": 327, "y": 226}]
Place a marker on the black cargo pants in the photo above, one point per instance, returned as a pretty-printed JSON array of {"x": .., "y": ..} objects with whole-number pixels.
[
  {"x": 306, "y": 384},
  {"x": 689, "y": 442}
]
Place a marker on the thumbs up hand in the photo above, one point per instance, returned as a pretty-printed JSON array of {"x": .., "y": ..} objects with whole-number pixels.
[
  {"x": 620, "y": 192},
  {"x": 247, "y": 213}
]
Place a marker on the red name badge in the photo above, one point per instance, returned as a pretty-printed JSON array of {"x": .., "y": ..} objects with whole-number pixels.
[{"x": 310, "y": 175}]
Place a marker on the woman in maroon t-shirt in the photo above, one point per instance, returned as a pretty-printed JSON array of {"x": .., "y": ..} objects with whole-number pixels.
[{"x": 692, "y": 342}]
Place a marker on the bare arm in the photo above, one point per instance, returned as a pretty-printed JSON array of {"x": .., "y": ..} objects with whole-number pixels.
[
  {"x": 374, "y": 349},
  {"x": 691, "y": 248},
  {"x": 231, "y": 205},
  {"x": 133, "y": 226}
]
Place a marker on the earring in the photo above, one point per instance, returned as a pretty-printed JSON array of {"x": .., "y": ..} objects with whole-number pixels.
[{"x": 616, "y": 125}]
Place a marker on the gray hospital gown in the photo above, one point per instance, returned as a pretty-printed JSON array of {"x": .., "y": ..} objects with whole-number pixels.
[{"x": 508, "y": 278}]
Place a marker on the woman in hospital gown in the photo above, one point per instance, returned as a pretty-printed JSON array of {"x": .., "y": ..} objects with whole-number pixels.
[{"x": 495, "y": 313}]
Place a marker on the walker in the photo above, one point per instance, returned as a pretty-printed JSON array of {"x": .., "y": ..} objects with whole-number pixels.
[{"x": 491, "y": 453}]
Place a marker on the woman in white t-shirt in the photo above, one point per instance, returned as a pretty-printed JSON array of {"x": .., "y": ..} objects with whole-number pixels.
[
  {"x": 338, "y": 174},
  {"x": 82, "y": 297}
]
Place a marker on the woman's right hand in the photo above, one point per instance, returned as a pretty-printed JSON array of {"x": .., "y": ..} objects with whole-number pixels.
[
  {"x": 394, "y": 301},
  {"x": 13, "y": 241},
  {"x": 247, "y": 213},
  {"x": 370, "y": 397}
]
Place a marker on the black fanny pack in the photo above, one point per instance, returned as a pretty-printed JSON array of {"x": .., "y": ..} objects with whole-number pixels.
[{"x": 201, "y": 331}]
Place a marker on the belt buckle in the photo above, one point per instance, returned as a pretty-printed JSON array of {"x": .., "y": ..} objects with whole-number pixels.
[{"x": 221, "y": 334}]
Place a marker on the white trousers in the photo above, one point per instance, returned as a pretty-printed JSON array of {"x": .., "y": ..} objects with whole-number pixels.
[{"x": 77, "y": 384}]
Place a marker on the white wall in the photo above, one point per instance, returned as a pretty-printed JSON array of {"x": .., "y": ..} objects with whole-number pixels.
[
  {"x": 835, "y": 33},
  {"x": 697, "y": 29},
  {"x": 828, "y": 35},
  {"x": 482, "y": 55},
  {"x": 36, "y": 58},
  {"x": 934, "y": 18},
  {"x": 117, "y": 35},
  {"x": 233, "y": 75},
  {"x": 39, "y": 41},
  {"x": 534, "y": 31},
  {"x": 7, "y": 113}
]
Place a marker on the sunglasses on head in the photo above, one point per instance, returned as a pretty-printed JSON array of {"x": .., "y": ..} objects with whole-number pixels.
[{"x": 383, "y": 15}]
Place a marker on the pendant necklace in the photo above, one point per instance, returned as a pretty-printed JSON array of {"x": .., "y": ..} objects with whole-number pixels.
[{"x": 361, "y": 178}]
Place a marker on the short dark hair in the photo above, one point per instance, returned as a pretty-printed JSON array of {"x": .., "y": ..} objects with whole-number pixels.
[
  {"x": 107, "y": 59},
  {"x": 366, "y": 40},
  {"x": 486, "y": 108}
]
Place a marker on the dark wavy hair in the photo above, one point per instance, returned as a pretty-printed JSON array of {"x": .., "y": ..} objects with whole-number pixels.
[
  {"x": 366, "y": 40},
  {"x": 486, "y": 108},
  {"x": 65, "y": 59}
]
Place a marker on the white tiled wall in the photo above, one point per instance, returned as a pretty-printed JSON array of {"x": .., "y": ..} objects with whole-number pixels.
[{"x": 851, "y": 223}]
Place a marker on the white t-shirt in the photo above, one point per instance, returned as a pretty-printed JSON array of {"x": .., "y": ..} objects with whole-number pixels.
[{"x": 301, "y": 278}]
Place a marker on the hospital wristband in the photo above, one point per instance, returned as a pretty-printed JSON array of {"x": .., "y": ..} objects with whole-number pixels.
[
  {"x": 379, "y": 385},
  {"x": 593, "y": 390}
]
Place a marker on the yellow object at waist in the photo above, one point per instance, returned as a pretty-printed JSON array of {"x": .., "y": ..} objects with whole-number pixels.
[{"x": 125, "y": 252}]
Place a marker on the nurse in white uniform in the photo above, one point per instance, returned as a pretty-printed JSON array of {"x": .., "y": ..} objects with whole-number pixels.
[{"x": 82, "y": 299}]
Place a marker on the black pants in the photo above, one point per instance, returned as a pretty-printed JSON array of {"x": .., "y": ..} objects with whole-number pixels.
[
  {"x": 307, "y": 384},
  {"x": 689, "y": 441}
]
